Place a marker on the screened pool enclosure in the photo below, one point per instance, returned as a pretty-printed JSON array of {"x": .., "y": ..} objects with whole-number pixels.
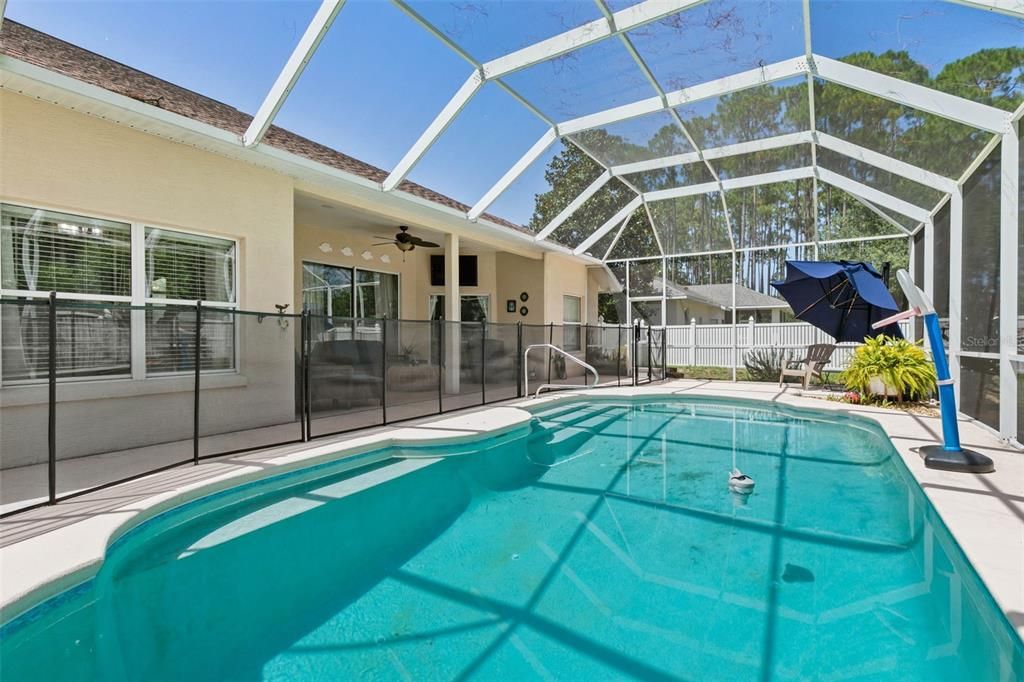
[
  {"x": 680, "y": 143},
  {"x": 687, "y": 143}
]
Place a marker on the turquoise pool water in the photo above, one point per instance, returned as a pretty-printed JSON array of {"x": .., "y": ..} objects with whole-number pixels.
[{"x": 599, "y": 543}]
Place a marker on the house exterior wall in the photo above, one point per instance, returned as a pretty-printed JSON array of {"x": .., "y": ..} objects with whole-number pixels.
[
  {"x": 563, "y": 277},
  {"x": 514, "y": 276},
  {"x": 55, "y": 158},
  {"x": 682, "y": 310}
]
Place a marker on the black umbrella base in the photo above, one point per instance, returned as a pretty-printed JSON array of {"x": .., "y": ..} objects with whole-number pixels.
[{"x": 964, "y": 461}]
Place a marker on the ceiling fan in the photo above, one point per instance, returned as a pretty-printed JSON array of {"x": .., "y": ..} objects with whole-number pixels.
[{"x": 405, "y": 241}]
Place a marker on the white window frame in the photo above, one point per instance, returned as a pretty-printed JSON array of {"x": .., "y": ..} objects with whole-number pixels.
[
  {"x": 140, "y": 299},
  {"x": 578, "y": 323},
  {"x": 137, "y": 298}
]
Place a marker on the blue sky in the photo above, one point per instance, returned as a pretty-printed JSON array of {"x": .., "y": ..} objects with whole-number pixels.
[{"x": 379, "y": 78}]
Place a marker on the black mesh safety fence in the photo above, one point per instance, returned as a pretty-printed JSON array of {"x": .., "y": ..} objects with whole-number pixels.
[
  {"x": 538, "y": 370},
  {"x": 607, "y": 351},
  {"x": 95, "y": 393},
  {"x": 645, "y": 354},
  {"x": 25, "y": 366},
  {"x": 656, "y": 350},
  {"x": 414, "y": 360},
  {"x": 344, "y": 374},
  {"x": 501, "y": 358},
  {"x": 249, "y": 395},
  {"x": 463, "y": 367}
]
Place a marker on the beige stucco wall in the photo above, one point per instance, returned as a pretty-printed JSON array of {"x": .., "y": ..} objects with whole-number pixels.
[
  {"x": 517, "y": 275},
  {"x": 563, "y": 277},
  {"x": 51, "y": 157}
]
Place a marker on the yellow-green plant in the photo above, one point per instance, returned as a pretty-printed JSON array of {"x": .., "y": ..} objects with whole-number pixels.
[{"x": 901, "y": 364}]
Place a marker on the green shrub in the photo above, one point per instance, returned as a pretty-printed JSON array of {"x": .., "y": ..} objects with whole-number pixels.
[
  {"x": 901, "y": 364},
  {"x": 765, "y": 364}
]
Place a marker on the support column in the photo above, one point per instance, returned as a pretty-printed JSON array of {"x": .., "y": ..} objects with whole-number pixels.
[
  {"x": 664, "y": 292},
  {"x": 1009, "y": 270},
  {"x": 928, "y": 278},
  {"x": 955, "y": 256},
  {"x": 452, "y": 313}
]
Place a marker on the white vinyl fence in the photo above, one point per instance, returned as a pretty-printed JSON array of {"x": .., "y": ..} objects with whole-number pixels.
[{"x": 711, "y": 345}]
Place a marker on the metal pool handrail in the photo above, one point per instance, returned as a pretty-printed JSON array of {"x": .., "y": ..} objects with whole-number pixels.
[{"x": 551, "y": 346}]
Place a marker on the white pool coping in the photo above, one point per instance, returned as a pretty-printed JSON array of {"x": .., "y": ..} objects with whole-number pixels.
[{"x": 984, "y": 512}]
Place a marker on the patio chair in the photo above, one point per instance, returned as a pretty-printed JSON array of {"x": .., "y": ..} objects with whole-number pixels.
[{"x": 811, "y": 365}]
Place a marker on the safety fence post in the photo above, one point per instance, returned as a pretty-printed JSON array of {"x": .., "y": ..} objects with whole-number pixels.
[
  {"x": 551, "y": 340},
  {"x": 483, "y": 362},
  {"x": 197, "y": 360},
  {"x": 51, "y": 434},
  {"x": 520, "y": 368},
  {"x": 618, "y": 355},
  {"x": 440, "y": 365},
  {"x": 650, "y": 369},
  {"x": 384, "y": 371},
  {"x": 304, "y": 374}
]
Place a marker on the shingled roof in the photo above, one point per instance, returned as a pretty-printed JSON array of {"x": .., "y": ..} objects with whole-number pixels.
[
  {"x": 43, "y": 50},
  {"x": 721, "y": 295}
]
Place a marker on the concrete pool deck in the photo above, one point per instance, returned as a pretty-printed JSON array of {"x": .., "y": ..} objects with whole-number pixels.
[{"x": 48, "y": 549}]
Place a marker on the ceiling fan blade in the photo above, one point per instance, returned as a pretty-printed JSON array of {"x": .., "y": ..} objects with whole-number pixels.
[
  {"x": 421, "y": 242},
  {"x": 390, "y": 239},
  {"x": 383, "y": 244}
]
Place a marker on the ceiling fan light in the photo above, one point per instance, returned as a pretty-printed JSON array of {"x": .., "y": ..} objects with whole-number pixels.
[{"x": 405, "y": 246}]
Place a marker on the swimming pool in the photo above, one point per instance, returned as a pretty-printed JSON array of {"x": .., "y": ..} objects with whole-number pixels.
[{"x": 599, "y": 542}]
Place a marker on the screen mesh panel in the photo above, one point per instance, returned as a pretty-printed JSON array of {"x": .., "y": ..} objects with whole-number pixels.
[
  {"x": 896, "y": 130},
  {"x": 979, "y": 389},
  {"x": 607, "y": 350},
  {"x": 637, "y": 139},
  {"x": 258, "y": 403},
  {"x": 843, "y": 216},
  {"x": 107, "y": 432},
  {"x": 346, "y": 374},
  {"x": 462, "y": 385},
  {"x": 691, "y": 224},
  {"x": 879, "y": 252},
  {"x": 547, "y": 186},
  {"x": 594, "y": 213},
  {"x": 638, "y": 238},
  {"x": 414, "y": 358},
  {"x": 502, "y": 361},
  {"x": 23, "y": 425},
  {"x": 981, "y": 272},
  {"x": 768, "y": 215}
]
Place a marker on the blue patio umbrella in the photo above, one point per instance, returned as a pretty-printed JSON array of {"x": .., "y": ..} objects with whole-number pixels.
[{"x": 841, "y": 298}]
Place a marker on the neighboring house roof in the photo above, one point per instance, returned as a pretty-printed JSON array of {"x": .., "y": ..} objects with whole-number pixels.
[
  {"x": 43, "y": 50},
  {"x": 721, "y": 295}
]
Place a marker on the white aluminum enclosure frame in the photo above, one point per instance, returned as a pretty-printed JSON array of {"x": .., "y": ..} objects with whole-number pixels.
[
  {"x": 289, "y": 75},
  {"x": 811, "y": 66}
]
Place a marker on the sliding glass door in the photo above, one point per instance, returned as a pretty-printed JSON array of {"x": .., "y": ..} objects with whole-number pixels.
[{"x": 335, "y": 291}]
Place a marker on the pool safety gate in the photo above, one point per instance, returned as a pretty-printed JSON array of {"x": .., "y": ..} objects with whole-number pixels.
[{"x": 161, "y": 386}]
